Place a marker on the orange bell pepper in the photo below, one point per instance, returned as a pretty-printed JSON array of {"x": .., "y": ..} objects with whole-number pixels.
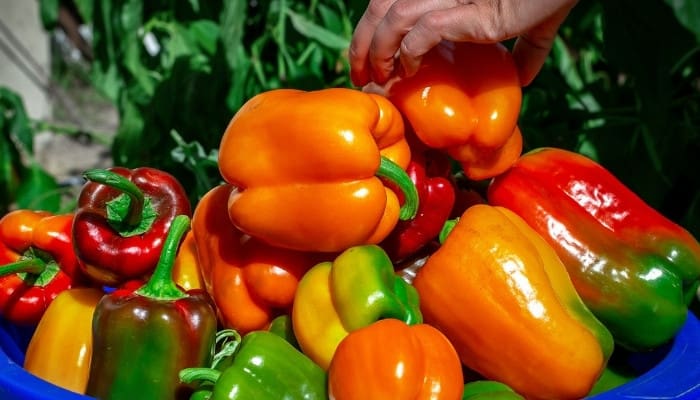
[
  {"x": 307, "y": 168},
  {"x": 249, "y": 281},
  {"x": 465, "y": 99},
  {"x": 61, "y": 346},
  {"x": 501, "y": 295},
  {"x": 390, "y": 359}
]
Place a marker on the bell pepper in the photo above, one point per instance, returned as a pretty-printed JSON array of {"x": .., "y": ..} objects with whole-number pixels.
[
  {"x": 489, "y": 390},
  {"x": 306, "y": 167},
  {"x": 60, "y": 348},
  {"x": 38, "y": 263},
  {"x": 263, "y": 366},
  {"x": 390, "y": 359},
  {"x": 634, "y": 268},
  {"x": 142, "y": 338},
  {"x": 354, "y": 290},
  {"x": 465, "y": 99},
  {"x": 122, "y": 219},
  {"x": 503, "y": 298},
  {"x": 250, "y": 281},
  {"x": 186, "y": 272},
  {"x": 429, "y": 170}
]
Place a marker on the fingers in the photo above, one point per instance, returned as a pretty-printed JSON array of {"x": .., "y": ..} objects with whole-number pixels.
[
  {"x": 532, "y": 48},
  {"x": 362, "y": 38},
  {"x": 396, "y": 34}
]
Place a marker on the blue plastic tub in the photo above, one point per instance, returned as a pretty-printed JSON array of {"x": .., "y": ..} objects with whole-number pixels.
[{"x": 671, "y": 373}]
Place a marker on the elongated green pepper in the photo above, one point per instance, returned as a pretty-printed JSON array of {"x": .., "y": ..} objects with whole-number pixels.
[
  {"x": 262, "y": 366},
  {"x": 143, "y": 338},
  {"x": 356, "y": 289},
  {"x": 634, "y": 268}
]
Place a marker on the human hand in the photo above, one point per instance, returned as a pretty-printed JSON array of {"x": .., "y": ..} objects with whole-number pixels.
[{"x": 393, "y": 35}]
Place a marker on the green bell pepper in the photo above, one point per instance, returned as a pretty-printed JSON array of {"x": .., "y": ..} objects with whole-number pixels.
[
  {"x": 356, "y": 289},
  {"x": 261, "y": 366}
]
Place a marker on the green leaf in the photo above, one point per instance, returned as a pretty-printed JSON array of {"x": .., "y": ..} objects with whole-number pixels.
[
  {"x": 85, "y": 9},
  {"x": 206, "y": 34},
  {"x": 38, "y": 190},
  {"x": 688, "y": 13},
  {"x": 311, "y": 30},
  {"x": 48, "y": 11}
]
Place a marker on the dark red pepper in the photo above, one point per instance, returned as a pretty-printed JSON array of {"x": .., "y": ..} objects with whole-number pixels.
[
  {"x": 143, "y": 338},
  {"x": 122, "y": 220},
  {"x": 38, "y": 263},
  {"x": 429, "y": 170}
]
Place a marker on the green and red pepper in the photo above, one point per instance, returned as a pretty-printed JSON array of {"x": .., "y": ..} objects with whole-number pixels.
[{"x": 143, "y": 338}]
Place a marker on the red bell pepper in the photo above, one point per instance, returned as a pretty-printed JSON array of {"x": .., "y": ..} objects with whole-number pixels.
[
  {"x": 36, "y": 251},
  {"x": 429, "y": 170},
  {"x": 122, "y": 220}
]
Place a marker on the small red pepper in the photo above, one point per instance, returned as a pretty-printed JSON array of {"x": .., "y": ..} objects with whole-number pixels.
[
  {"x": 122, "y": 220},
  {"x": 429, "y": 170},
  {"x": 36, "y": 251}
]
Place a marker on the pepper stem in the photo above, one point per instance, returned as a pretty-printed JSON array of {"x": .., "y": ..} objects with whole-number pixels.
[
  {"x": 189, "y": 375},
  {"x": 112, "y": 179},
  {"x": 446, "y": 229},
  {"x": 161, "y": 285},
  {"x": 29, "y": 265},
  {"x": 391, "y": 171}
]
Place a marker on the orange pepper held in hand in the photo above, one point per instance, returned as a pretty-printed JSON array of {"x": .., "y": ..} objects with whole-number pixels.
[
  {"x": 390, "y": 359},
  {"x": 465, "y": 99},
  {"x": 306, "y": 168},
  {"x": 249, "y": 281}
]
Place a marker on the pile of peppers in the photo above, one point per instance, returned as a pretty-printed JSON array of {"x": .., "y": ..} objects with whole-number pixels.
[{"x": 361, "y": 246}]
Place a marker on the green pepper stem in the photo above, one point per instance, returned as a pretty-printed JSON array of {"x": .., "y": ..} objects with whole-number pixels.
[
  {"x": 32, "y": 265},
  {"x": 116, "y": 181},
  {"x": 189, "y": 375},
  {"x": 393, "y": 172},
  {"x": 446, "y": 229},
  {"x": 161, "y": 285}
]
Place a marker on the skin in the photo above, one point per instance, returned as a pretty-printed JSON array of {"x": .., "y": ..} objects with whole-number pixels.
[{"x": 392, "y": 36}]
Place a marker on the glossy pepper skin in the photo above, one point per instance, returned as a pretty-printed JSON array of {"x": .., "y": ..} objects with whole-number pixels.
[
  {"x": 61, "y": 345},
  {"x": 390, "y": 359},
  {"x": 142, "y": 338},
  {"x": 186, "y": 270},
  {"x": 38, "y": 263},
  {"x": 489, "y": 390},
  {"x": 429, "y": 170},
  {"x": 250, "y": 281},
  {"x": 263, "y": 367},
  {"x": 501, "y": 295},
  {"x": 634, "y": 268},
  {"x": 306, "y": 163},
  {"x": 465, "y": 99},
  {"x": 354, "y": 290},
  {"x": 122, "y": 219}
]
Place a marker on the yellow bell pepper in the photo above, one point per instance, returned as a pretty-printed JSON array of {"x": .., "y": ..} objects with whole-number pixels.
[{"x": 61, "y": 346}]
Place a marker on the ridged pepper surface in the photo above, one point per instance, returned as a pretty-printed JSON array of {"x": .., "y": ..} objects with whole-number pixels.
[
  {"x": 307, "y": 168},
  {"x": 634, "y": 268},
  {"x": 465, "y": 99},
  {"x": 122, "y": 219},
  {"x": 390, "y": 359},
  {"x": 250, "y": 281},
  {"x": 354, "y": 290},
  {"x": 503, "y": 298}
]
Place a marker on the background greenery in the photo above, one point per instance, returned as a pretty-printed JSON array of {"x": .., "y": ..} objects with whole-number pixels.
[{"x": 622, "y": 85}]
